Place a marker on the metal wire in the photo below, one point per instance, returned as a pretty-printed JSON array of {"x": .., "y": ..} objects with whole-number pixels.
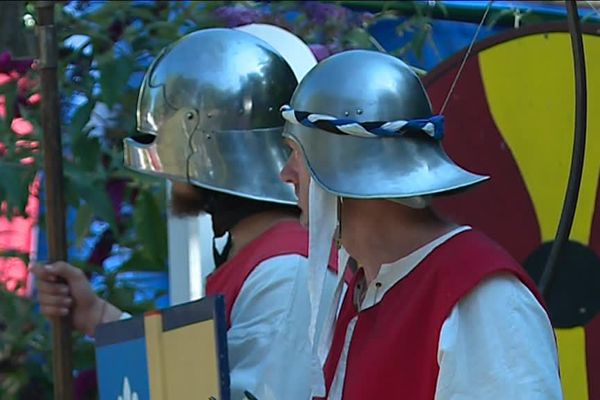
[{"x": 466, "y": 56}]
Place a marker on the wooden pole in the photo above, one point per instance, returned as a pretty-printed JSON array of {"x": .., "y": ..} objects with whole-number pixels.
[{"x": 55, "y": 205}]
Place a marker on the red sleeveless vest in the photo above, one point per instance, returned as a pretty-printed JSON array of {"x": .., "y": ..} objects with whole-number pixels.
[
  {"x": 393, "y": 351},
  {"x": 284, "y": 238}
]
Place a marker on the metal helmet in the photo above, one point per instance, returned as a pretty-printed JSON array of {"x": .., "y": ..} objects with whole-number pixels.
[
  {"x": 368, "y": 90},
  {"x": 208, "y": 112},
  {"x": 297, "y": 53}
]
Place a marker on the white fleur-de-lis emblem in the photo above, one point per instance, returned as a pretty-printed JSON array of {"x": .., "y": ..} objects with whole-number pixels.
[{"x": 128, "y": 394}]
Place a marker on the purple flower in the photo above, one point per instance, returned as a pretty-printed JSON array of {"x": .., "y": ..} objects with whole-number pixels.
[
  {"x": 85, "y": 385},
  {"x": 237, "y": 16},
  {"x": 5, "y": 61},
  {"x": 322, "y": 12},
  {"x": 8, "y": 64},
  {"x": 102, "y": 249},
  {"x": 320, "y": 51},
  {"x": 116, "y": 191},
  {"x": 116, "y": 30}
]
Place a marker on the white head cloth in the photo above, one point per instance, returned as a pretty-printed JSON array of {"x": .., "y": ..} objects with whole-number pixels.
[{"x": 323, "y": 221}]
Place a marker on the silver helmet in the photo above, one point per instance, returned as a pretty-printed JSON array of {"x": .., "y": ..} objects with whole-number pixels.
[
  {"x": 365, "y": 125},
  {"x": 208, "y": 114}
]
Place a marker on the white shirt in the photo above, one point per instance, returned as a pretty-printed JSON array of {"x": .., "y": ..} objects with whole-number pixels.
[
  {"x": 269, "y": 350},
  {"x": 496, "y": 344}
]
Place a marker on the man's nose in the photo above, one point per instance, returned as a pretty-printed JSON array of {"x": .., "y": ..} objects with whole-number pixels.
[{"x": 286, "y": 174}]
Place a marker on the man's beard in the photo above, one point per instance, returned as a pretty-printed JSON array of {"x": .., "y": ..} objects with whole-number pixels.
[
  {"x": 190, "y": 202},
  {"x": 225, "y": 209}
]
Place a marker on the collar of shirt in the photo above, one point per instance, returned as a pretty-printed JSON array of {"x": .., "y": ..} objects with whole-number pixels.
[{"x": 392, "y": 273}]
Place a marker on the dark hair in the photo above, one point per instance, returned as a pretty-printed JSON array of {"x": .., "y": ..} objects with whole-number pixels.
[{"x": 225, "y": 209}]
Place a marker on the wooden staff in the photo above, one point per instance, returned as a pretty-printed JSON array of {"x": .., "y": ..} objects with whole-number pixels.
[{"x": 55, "y": 205}]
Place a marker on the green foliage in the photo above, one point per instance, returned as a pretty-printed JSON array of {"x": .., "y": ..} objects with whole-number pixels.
[
  {"x": 17, "y": 340},
  {"x": 24, "y": 347},
  {"x": 12, "y": 176},
  {"x": 114, "y": 74},
  {"x": 9, "y": 91},
  {"x": 150, "y": 231},
  {"x": 418, "y": 24}
]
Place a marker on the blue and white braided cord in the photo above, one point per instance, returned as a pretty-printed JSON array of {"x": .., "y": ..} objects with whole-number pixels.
[{"x": 433, "y": 126}]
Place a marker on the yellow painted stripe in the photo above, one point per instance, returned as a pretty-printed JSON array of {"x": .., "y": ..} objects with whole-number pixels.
[
  {"x": 573, "y": 369},
  {"x": 191, "y": 362},
  {"x": 529, "y": 83},
  {"x": 155, "y": 357}
]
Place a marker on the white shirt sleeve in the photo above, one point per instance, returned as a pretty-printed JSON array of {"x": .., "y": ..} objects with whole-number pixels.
[
  {"x": 498, "y": 344},
  {"x": 269, "y": 350}
]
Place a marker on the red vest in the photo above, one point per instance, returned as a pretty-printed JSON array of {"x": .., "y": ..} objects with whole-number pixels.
[
  {"x": 284, "y": 238},
  {"x": 393, "y": 352}
]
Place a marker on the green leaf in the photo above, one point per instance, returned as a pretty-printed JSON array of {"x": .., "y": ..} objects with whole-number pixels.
[
  {"x": 114, "y": 74},
  {"x": 15, "y": 179},
  {"x": 83, "y": 220},
  {"x": 83, "y": 354},
  {"x": 122, "y": 297},
  {"x": 359, "y": 38},
  {"x": 9, "y": 90},
  {"x": 106, "y": 14},
  {"x": 86, "y": 186},
  {"x": 87, "y": 151},
  {"x": 161, "y": 28},
  {"x": 442, "y": 7},
  {"x": 150, "y": 226},
  {"x": 496, "y": 16},
  {"x": 140, "y": 260},
  {"x": 420, "y": 38},
  {"x": 15, "y": 254},
  {"x": 80, "y": 118},
  {"x": 142, "y": 12}
]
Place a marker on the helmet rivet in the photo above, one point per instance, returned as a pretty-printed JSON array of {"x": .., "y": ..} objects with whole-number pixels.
[
  {"x": 189, "y": 115},
  {"x": 359, "y": 111},
  {"x": 208, "y": 136},
  {"x": 346, "y": 113}
]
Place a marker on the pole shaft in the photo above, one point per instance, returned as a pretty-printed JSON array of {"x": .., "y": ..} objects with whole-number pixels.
[{"x": 54, "y": 193}]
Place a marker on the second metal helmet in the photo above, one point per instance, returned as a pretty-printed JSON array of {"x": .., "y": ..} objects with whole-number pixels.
[
  {"x": 363, "y": 92},
  {"x": 208, "y": 110}
]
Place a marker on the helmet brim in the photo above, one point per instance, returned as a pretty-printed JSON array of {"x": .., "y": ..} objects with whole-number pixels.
[{"x": 379, "y": 168}]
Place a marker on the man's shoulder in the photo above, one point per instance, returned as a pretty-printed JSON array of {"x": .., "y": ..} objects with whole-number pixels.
[
  {"x": 283, "y": 260},
  {"x": 473, "y": 248},
  {"x": 284, "y": 238},
  {"x": 471, "y": 257}
]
